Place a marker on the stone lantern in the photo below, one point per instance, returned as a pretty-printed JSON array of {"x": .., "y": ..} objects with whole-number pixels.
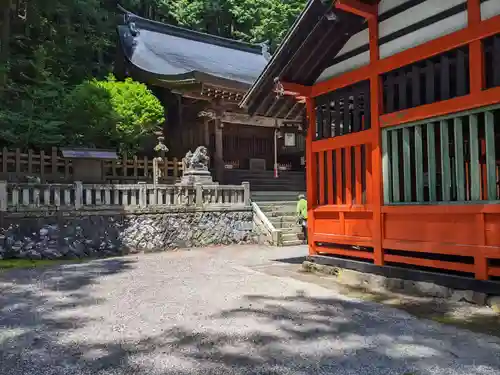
[{"x": 160, "y": 149}]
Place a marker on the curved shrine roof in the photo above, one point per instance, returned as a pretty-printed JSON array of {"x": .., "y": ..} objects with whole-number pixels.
[{"x": 175, "y": 54}]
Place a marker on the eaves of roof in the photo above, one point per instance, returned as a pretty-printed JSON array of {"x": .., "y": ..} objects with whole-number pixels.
[
  {"x": 308, "y": 48},
  {"x": 170, "y": 53}
]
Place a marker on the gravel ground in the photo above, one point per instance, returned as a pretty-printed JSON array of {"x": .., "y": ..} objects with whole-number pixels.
[{"x": 215, "y": 311}]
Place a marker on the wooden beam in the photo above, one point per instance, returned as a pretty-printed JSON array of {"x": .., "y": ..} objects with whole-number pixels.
[
  {"x": 277, "y": 99},
  {"x": 347, "y": 140},
  {"x": 462, "y": 103},
  {"x": 294, "y": 89},
  {"x": 357, "y": 7},
  {"x": 341, "y": 81},
  {"x": 291, "y": 110},
  {"x": 244, "y": 119}
]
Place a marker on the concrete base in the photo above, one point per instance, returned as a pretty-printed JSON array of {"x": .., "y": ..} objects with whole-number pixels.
[
  {"x": 446, "y": 286},
  {"x": 197, "y": 177}
]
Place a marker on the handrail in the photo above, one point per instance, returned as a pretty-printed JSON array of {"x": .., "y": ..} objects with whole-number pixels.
[{"x": 268, "y": 226}]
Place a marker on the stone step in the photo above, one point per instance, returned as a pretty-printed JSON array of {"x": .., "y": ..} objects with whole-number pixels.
[
  {"x": 290, "y": 230},
  {"x": 280, "y": 211},
  {"x": 277, "y": 215},
  {"x": 257, "y": 185},
  {"x": 292, "y": 202},
  {"x": 289, "y": 189},
  {"x": 270, "y": 205},
  {"x": 293, "y": 243},
  {"x": 275, "y": 196},
  {"x": 283, "y": 221},
  {"x": 269, "y": 178},
  {"x": 289, "y": 236},
  {"x": 267, "y": 174},
  {"x": 277, "y": 206}
]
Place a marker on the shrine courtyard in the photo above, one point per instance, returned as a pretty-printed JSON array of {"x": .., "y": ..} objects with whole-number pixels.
[{"x": 231, "y": 310}]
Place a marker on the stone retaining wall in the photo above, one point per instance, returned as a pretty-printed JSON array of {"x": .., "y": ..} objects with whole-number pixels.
[{"x": 93, "y": 234}]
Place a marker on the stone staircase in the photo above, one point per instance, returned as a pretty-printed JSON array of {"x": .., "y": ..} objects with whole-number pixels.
[
  {"x": 264, "y": 181},
  {"x": 282, "y": 216},
  {"x": 274, "y": 196}
]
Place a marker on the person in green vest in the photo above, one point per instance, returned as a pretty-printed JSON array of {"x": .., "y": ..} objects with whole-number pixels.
[{"x": 302, "y": 214}]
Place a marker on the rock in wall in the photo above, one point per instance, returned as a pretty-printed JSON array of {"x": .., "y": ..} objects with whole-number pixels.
[{"x": 116, "y": 234}]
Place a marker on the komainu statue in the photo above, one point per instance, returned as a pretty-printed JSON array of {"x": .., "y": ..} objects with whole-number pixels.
[{"x": 197, "y": 160}]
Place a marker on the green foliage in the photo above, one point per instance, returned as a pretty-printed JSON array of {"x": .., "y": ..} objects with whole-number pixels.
[
  {"x": 248, "y": 20},
  {"x": 275, "y": 19},
  {"x": 8, "y": 264},
  {"x": 58, "y": 44},
  {"x": 49, "y": 47},
  {"x": 109, "y": 112}
]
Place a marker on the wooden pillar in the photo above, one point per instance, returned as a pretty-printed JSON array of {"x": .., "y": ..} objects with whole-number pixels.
[
  {"x": 206, "y": 132},
  {"x": 376, "y": 149},
  {"x": 219, "y": 153},
  {"x": 477, "y": 78},
  {"x": 476, "y": 58},
  {"x": 311, "y": 173}
]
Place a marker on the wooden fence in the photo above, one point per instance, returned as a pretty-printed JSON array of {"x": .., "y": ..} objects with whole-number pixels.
[
  {"x": 19, "y": 197},
  {"x": 51, "y": 167}
]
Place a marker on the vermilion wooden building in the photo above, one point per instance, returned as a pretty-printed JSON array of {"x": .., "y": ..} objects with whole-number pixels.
[{"x": 403, "y": 104}]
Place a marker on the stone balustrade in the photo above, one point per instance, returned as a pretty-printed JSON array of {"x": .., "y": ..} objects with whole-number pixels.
[{"x": 15, "y": 197}]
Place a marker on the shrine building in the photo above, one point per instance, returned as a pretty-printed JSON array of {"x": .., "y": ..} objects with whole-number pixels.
[
  {"x": 403, "y": 134},
  {"x": 201, "y": 79}
]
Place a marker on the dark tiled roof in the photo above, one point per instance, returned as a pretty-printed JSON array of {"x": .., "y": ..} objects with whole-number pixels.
[{"x": 174, "y": 54}]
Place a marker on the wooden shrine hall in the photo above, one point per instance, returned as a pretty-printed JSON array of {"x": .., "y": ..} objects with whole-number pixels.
[
  {"x": 201, "y": 79},
  {"x": 402, "y": 146}
]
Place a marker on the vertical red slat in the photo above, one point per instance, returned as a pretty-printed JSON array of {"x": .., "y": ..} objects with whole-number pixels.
[
  {"x": 357, "y": 169},
  {"x": 321, "y": 174},
  {"x": 348, "y": 176},
  {"x": 338, "y": 179},
  {"x": 369, "y": 173},
  {"x": 329, "y": 168},
  {"x": 480, "y": 261}
]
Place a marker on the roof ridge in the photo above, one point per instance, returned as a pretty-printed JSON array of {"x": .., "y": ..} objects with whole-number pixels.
[{"x": 186, "y": 33}]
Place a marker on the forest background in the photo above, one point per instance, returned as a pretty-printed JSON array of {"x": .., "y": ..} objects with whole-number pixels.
[{"x": 57, "y": 59}]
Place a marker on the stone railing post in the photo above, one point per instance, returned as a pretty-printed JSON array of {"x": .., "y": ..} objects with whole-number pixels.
[
  {"x": 199, "y": 194},
  {"x": 246, "y": 193},
  {"x": 3, "y": 196},
  {"x": 78, "y": 195},
  {"x": 143, "y": 199}
]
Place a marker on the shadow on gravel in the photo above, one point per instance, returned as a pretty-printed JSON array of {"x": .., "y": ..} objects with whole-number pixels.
[
  {"x": 296, "y": 330},
  {"x": 442, "y": 311},
  {"x": 295, "y": 260},
  {"x": 36, "y": 306},
  {"x": 274, "y": 335}
]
